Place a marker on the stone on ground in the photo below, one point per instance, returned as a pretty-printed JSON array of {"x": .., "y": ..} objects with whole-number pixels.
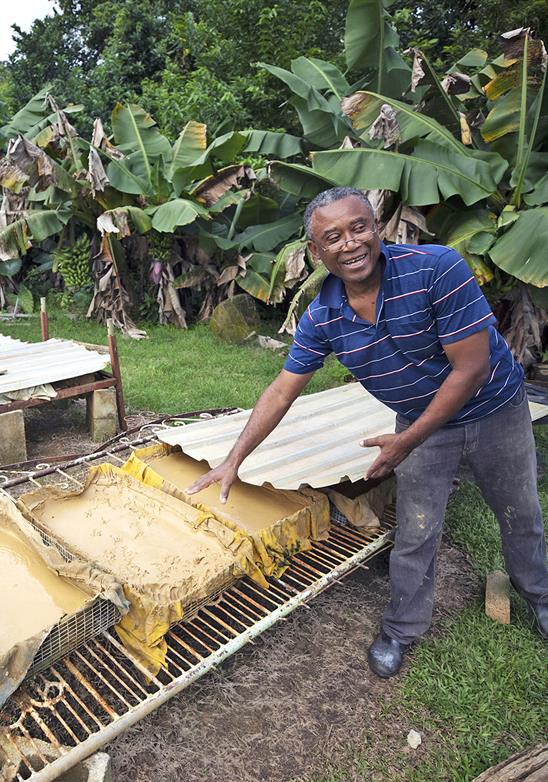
[
  {"x": 497, "y": 597},
  {"x": 234, "y": 319},
  {"x": 13, "y": 446}
]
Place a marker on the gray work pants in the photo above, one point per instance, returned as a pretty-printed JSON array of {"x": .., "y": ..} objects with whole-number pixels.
[{"x": 500, "y": 450}]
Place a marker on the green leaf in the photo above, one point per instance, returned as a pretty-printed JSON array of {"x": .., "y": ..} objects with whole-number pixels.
[
  {"x": 279, "y": 268},
  {"x": 265, "y": 237},
  {"x": 261, "y": 263},
  {"x": 432, "y": 171},
  {"x": 539, "y": 195},
  {"x": 475, "y": 58},
  {"x": 10, "y": 268},
  {"x": 138, "y": 137},
  {"x": 257, "y": 209},
  {"x": 129, "y": 176},
  {"x": 310, "y": 286},
  {"x": 297, "y": 85},
  {"x": 224, "y": 148},
  {"x": 254, "y": 284},
  {"x": 300, "y": 181},
  {"x": 480, "y": 242},
  {"x": 371, "y": 42},
  {"x": 167, "y": 217},
  {"x": 321, "y": 74},
  {"x": 521, "y": 251},
  {"x": 192, "y": 142},
  {"x": 266, "y": 142}
]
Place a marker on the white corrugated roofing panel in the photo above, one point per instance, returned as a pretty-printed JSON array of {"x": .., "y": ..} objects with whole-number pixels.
[
  {"x": 30, "y": 364},
  {"x": 316, "y": 444}
]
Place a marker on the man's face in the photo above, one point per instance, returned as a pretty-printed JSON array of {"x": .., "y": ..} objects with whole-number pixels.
[{"x": 347, "y": 220}]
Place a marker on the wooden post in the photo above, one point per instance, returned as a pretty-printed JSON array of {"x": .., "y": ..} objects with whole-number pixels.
[
  {"x": 115, "y": 364},
  {"x": 44, "y": 319}
]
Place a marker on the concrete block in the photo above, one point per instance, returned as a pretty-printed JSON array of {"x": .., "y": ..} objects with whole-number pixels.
[
  {"x": 13, "y": 444},
  {"x": 102, "y": 414},
  {"x": 497, "y": 597},
  {"x": 96, "y": 768}
]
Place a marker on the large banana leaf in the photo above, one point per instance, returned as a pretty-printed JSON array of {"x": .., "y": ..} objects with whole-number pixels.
[
  {"x": 117, "y": 221},
  {"x": 192, "y": 142},
  {"x": 32, "y": 226},
  {"x": 321, "y": 74},
  {"x": 167, "y": 217},
  {"x": 432, "y": 173},
  {"x": 319, "y": 126},
  {"x": 224, "y": 148},
  {"x": 539, "y": 195},
  {"x": 33, "y": 117},
  {"x": 370, "y": 43},
  {"x": 300, "y": 181},
  {"x": 138, "y": 137},
  {"x": 266, "y": 142},
  {"x": 263, "y": 238},
  {"x": 521, "y": 251},
  {"x": 470, "y": 233},
  {"x": 364, "y": 107},
  {"x": 255, "y": 284}
]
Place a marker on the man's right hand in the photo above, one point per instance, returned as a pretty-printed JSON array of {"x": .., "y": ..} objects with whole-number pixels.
[{"x": 225, "y": 474}]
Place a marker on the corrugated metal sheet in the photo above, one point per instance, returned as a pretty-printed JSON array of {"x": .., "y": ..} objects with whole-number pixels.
[
  {"x": 30, "y": 364},
  {"x": 315, "y": 444}
]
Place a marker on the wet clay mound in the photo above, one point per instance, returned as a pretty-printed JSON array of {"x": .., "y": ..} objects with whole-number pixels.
[
  {"x": 157, "y": 546},
  {"x": 148, "y": 540},
  {"x": 276, "y": 522}
]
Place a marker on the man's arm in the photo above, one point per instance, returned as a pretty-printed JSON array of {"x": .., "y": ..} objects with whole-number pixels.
[
  {"x": 271, "y": 407},
  {"x": 470, "y": 369}
]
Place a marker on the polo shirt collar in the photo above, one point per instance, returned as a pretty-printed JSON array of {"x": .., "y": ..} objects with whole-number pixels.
[{"x": 332, "y": 292}]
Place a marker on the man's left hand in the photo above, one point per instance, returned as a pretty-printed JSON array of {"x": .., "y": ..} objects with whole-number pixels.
[{"x": 394, "y": 449}]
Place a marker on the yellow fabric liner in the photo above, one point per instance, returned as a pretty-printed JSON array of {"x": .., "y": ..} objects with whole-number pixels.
[
  {"x": 166, "y": 553},
  {"x": 269, "y": 525}
]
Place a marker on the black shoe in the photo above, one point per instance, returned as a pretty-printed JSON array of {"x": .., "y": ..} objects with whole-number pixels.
[
  {"x": 540, "y": 614},
  {"x": 385, "y": 655}
]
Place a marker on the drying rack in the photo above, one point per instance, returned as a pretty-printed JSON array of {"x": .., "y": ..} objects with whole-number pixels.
[{"x": 80, "y": 703}]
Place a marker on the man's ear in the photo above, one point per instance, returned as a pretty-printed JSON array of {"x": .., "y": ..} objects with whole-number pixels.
[{"x": 313, "y": 249}]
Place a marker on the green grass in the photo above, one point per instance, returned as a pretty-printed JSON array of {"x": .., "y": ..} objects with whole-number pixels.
[{"x": 177, "y": 370}]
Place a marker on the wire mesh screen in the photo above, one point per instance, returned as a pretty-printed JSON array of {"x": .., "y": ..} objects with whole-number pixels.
[{"x": 73, "y": 630}]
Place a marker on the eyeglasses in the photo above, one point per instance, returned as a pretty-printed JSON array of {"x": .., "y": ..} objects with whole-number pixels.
[{"x": 358, "y": 236}]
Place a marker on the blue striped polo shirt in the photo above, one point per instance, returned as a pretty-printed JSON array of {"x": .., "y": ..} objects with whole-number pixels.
[{"x": 428, "y": 298}]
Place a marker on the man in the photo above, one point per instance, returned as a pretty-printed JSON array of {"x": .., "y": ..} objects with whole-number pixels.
[{"x": 413, "y": 327}]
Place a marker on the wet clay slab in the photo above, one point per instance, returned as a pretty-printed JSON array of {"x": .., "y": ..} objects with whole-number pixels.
[
  {"x": 144, "y": 538},
  {"x": 32, "y": 597},
  {"x": 251, "y": 508}
]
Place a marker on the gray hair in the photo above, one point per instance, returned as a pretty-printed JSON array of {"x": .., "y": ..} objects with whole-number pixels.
[{"x": 329, "y": 197}]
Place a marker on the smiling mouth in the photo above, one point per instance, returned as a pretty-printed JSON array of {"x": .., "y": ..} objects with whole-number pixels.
[{"x": 355, "y": 261}]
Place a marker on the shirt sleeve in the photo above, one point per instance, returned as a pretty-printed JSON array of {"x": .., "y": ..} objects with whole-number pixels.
[
  {"x": 309, "y": 348},
  {"x": 459, "y": 306}
]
